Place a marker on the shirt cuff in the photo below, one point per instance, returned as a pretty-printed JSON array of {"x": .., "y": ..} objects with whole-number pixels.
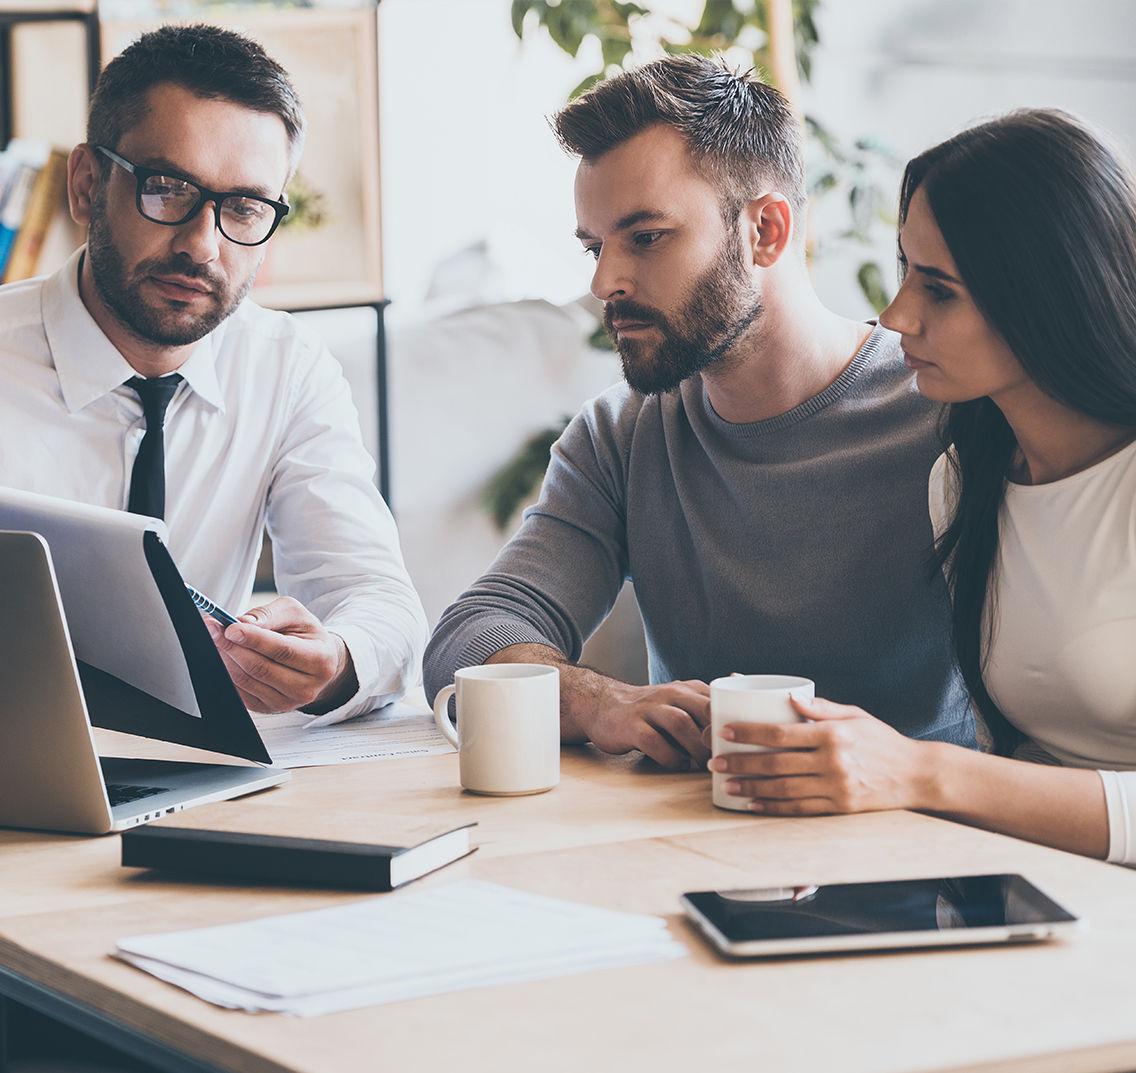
[
  {"x": 367, "y": 660},
  {"x": 1121, "y": 833}
]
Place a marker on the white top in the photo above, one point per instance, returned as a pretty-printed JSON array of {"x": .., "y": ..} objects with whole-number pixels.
[
  {"x": 262, "y": 432},
  {"x": 1062, "y": 664}
]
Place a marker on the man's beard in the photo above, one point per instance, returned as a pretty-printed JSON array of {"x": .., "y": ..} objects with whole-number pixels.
[
  {"x": 722, "y": 308},
  {"x": 159, "y": 324}
]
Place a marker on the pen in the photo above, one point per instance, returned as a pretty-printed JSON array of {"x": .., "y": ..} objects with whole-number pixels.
[{"x": 209, "y": 607}]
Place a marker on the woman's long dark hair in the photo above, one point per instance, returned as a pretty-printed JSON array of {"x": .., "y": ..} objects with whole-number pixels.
[{"x": 1040, "y": 217}]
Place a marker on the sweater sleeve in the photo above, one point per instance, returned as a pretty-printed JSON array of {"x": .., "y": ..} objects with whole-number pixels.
[
  {"x": 558, "y": 577},
  {"x": 1120, "y": 799}
]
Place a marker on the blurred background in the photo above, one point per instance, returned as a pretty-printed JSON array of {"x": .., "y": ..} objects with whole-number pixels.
[{"x": 434, "y": 222}]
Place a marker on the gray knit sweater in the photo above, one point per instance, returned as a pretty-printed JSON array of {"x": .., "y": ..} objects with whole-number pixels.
[{"x": 797, "y": 545}]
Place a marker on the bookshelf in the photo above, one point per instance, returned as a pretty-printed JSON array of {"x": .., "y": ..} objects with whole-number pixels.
[
  {"x": 332, "y": 55},
  {"x": 13, "y": 15}
]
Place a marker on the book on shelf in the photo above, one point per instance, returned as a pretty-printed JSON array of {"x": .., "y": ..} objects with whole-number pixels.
[
  {"x": 44, "y": 203},
  {"x": 33, "y": 177},
  {"x": 18, "y": 174}
]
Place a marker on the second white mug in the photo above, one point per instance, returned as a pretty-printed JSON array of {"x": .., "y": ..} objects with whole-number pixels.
[
  {"x": 749, "y": 698},
  {"x": 508, "y": 729}
]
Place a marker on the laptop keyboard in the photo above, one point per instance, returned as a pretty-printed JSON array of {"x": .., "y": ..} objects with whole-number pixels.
[{"x": 120, "y": 793}]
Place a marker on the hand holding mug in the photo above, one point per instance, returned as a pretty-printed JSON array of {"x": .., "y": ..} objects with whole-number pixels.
[{"x": 839, "y": 759}]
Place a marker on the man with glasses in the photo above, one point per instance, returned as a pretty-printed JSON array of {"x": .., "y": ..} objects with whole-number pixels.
[{"x": 139, "y": 377}]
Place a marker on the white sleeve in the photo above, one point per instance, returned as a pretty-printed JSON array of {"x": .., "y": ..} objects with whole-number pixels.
[
  {"x": 940, "y": 495},
  {"x": 1120, "y": 799},
  {"x": 335, "y": 546}
]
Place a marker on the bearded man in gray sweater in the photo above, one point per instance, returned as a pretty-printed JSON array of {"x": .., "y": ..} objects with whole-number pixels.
[{"x": 761, "y": 477}]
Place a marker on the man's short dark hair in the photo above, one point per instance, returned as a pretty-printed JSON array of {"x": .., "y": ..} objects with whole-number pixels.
[
  {"x": 206, "y": 60},
  {"x": 741, "y": 133}
]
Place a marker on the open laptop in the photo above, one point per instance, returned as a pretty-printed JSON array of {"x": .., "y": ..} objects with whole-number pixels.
[{"x": 51, "y": 777}]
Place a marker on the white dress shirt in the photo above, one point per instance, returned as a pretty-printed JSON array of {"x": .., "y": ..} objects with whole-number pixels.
[
  {"x": 262, "y": 434},
  {"x": 1061, "y": 664}
]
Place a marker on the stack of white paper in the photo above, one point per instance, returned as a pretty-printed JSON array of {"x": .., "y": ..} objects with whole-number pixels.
[
  {"x": 297, "y": 740},
  {"x": 400, "y": 946}
]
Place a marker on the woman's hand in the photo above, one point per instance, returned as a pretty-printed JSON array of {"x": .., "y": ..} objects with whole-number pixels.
[{"x": 840, "y": 760}]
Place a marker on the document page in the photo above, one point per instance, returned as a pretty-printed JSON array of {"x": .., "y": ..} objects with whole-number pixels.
[
  {"x": 404, "y": 945},
  {"x": 390, "y": 733}
]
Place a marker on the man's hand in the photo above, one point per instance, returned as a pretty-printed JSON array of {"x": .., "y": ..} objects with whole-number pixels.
[
  {"x": 281, "y": 658},
  {"x": 665, "y": 722}
]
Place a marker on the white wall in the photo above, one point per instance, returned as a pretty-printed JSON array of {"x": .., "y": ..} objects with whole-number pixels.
[
  {"x": 467, "y": 153},
  {"x": 914, "y": 72}
]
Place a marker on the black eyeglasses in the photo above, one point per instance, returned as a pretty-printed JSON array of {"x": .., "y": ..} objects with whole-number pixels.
[{"x": 168, "y": 199}]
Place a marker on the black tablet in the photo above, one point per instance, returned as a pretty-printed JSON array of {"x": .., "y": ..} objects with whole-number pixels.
[{"x": 895, "y": 914}]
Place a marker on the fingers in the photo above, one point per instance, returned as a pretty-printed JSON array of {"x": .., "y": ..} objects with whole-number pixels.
[
  {"x": 809, "y": 806},
  {"x": 278, "y": 647},
  {"x": 770, "y": 765},
  {"x": 653, "y": 744},
  {"x": 680, "y": 727},
  {"x": 257, "y": 696},
  {"x": 821, "y": 709},
  {"x": 258, "y": 668},
  {"x": 692, "y": 697},
  {"x": 282, "y": 615},
  {"x": 266, "y": 685},
  {"x": 315, "y": 655},
  {"x": 779, "y": 735},
  {"x": 788, "y": 788}
]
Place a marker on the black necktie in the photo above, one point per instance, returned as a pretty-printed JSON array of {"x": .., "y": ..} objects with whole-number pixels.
[{"x": 148, "y": 478}]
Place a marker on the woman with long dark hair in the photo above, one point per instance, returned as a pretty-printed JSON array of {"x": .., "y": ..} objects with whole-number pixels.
[{"x": 1017, "y": 310}]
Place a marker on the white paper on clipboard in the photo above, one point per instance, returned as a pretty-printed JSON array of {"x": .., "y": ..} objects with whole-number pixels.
[{"x": 115, "y": 614}]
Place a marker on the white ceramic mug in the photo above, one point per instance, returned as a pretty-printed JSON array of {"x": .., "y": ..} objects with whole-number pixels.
[
  {"x": 508, "y": 732},
  {"x": 749, "y": 698}
]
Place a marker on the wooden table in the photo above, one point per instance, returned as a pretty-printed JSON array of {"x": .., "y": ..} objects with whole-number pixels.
[{"x": 615, "y": 833}]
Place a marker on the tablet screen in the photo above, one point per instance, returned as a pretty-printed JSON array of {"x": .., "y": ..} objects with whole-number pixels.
[{"x": 913, "y": 905}]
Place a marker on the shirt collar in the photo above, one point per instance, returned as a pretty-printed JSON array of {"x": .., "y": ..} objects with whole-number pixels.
[{"x": 89, "y": 365}]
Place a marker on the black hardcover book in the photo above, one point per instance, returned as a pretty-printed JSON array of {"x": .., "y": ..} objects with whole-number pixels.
[{"x": 245, "y": 857}]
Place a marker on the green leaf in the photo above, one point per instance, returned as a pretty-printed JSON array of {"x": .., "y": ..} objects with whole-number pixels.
[
  {"x": 873, "y": 147},
  {"x": 804, "y": 63},
  {"x": 586, "y": 85},
  {"x": 871, "y": 280},
  {"x": 720, "y": 17},
  {"x": 563, "y": 30},
  {"x": 626, "y": 10},
  {"x": 803, "y": 22},
  {"x": 822, "y": 184},
  {"x": 864, "y": 201},
  {"x": 615, "y": 50},
  {"x": 519, "y": 10},
  {"x": 682, "y": 48},
  {"x": 824, "y": 138},
  {"x": 516, "y": 481}
]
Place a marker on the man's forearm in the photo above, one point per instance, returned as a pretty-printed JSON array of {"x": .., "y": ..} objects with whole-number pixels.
[{"x": 582, "y": 690}]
